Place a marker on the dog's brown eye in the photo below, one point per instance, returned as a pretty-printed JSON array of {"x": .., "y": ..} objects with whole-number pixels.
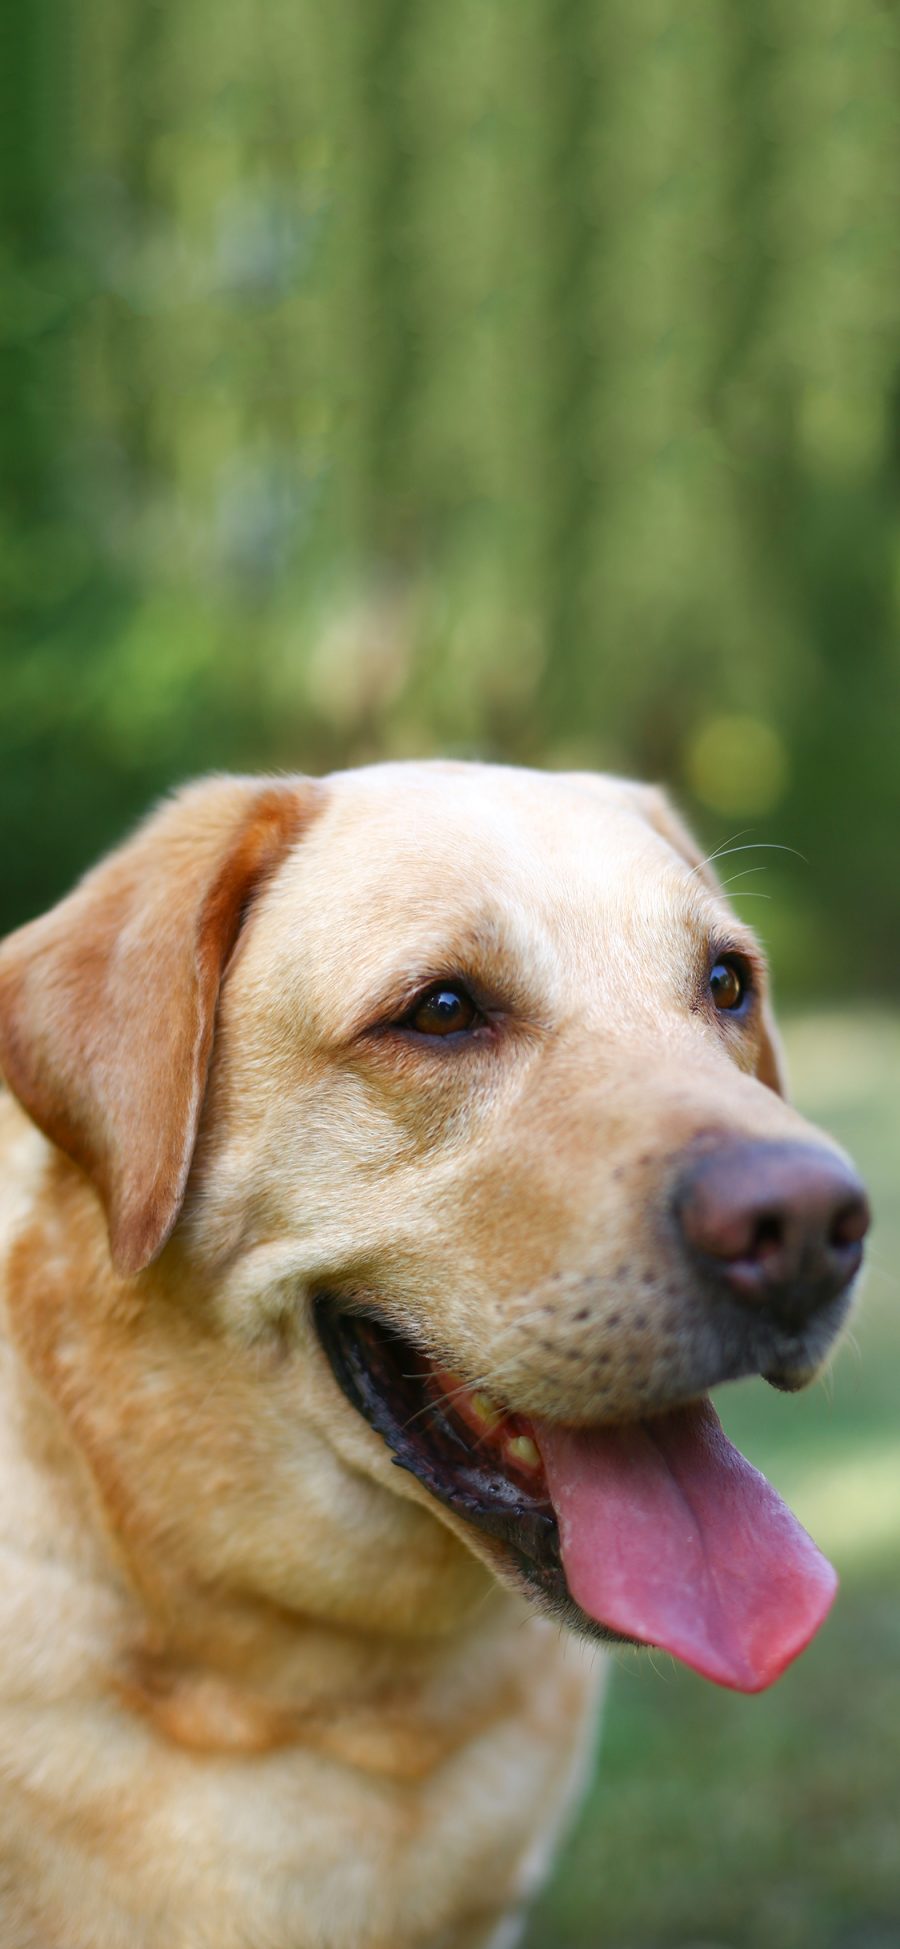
[
  {"x": 442, "y": 1011},
  {"x": 728, "y": 984}
]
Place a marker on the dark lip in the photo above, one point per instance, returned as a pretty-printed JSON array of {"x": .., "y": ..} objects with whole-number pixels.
[{"x": 385, "y": 1378}]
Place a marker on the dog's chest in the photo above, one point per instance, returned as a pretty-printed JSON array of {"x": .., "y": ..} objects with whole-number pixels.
[{"x": 297, "y": 1849}]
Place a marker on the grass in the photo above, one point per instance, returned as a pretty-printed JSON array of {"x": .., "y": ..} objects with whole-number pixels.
[{"x": 719, "y": 1822}]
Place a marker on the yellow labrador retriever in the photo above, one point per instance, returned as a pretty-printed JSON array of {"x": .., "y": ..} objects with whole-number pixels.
[{"x": 390, "y": 1165}]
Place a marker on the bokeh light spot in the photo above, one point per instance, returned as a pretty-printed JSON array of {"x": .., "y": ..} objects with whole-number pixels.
[{"x": 736, "y": 764}]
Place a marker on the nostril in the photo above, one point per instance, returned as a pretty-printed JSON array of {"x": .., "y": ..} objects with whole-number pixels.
[
  {"x": 782, "y": 1226},
  {"x": 850, "y": 1225},
  {"x": 768, "y": 1238}
]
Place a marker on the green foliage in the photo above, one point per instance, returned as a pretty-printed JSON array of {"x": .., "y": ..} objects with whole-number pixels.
[{"x": 518, "y": 380}]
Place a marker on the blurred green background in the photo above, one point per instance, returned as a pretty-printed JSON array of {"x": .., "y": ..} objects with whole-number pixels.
[
  {"x": 516, "y": 377},
  {"x": 521, "y": 379}
]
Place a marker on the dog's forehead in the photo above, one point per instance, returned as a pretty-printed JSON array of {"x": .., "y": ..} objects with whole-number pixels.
[
  {"x": 556, "y": 884},
  {"x": 407, "y": 853},
  {"x": 446, "y": 819}
]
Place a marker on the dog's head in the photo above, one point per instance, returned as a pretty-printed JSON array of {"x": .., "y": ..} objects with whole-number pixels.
[{"x": 461, "y": 1085}]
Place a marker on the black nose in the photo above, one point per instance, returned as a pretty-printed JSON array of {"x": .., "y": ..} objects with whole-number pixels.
[{"x": 781, "y": 1224}]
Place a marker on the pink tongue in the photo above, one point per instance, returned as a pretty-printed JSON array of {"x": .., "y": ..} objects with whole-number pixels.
[{"x": 669, "y": 1536}]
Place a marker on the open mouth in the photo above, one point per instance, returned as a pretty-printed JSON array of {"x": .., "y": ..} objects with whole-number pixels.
[
  {"x": 484, "y": 1465},
  {"x": 654, "y": 1532}
]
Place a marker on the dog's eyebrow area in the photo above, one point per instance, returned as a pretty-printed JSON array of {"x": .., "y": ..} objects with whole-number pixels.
[
  {"x": 509, "y": 968},
  {"x": 546, "y": 923},
  {"x": 528, "y": 976}
]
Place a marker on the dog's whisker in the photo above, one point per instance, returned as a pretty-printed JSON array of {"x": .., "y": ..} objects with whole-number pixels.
[
  {"x": 434, "y": 1407},
  {"x": 880, "y": 1271},
  {"x": 743, "y": 873},
  {"x": 825, "y": 1381},
  {"x": 718, "y": 853},
  {"x": 762, "y": 846}
]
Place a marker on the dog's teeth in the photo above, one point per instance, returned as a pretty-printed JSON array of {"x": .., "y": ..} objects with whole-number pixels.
[
  {"x": 484, "y": 1410},
  {"x": 521, "y": 1449}
]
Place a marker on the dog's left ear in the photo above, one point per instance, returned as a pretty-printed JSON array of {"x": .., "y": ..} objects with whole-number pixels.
[
  {"x": 107, "y": 1003},
  {"x": 669, "y": 824}
]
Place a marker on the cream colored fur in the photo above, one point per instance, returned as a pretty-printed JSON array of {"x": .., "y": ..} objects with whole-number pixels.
[{"x": 257, "y": 1689}]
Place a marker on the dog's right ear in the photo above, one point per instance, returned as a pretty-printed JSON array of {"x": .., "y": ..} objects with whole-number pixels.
[{"x": 107, "y": 1003}]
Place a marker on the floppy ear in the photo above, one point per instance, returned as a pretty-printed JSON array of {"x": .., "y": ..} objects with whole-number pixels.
[
  {"x": 107, "y": 1002},
  {"x": 770, "y": 1068}
]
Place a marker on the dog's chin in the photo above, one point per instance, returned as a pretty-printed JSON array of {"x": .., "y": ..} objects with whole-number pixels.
[{"x": 791, "y": 1380}]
